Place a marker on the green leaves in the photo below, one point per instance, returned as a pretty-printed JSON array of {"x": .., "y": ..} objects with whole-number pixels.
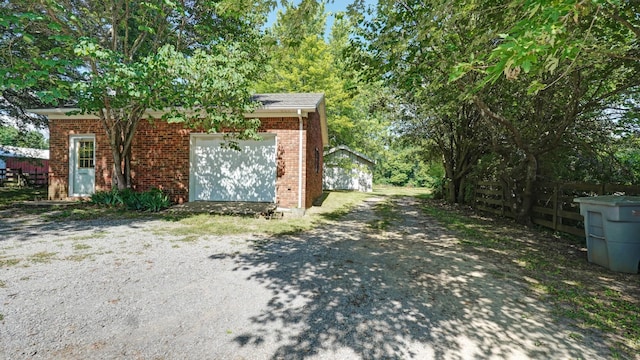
[
  {"x": 146, "y": 28},
  {"x": 116, "y": 61},
  {"x": 535, "y": 87},
  {"x": 554, "y": 33},
  {"x": 27, "y": 38},
  {"x": 212, "y": 84}
]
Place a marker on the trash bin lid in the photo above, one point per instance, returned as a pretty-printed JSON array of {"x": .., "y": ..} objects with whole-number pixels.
[{"x": 610, "y": 200}]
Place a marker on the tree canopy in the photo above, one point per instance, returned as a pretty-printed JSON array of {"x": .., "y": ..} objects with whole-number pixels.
[
  {"x": 118, "y": 58},
  {"x": 507, "y": 90},
  {"x": 10, "y": 135},
  {"x": 518, "y": 92}
]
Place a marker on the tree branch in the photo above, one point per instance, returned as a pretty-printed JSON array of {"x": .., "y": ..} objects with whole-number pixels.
[
  {"x": 65, "y": 28},
  {"x": 114, "y": 26},
  {"x": 617, "y": 91},
  {"x": 486, "y": 111},
  {"x": 616, "y": 16}
]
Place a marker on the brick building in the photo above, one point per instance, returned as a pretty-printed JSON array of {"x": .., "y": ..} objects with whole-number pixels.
[{"x": 284, "y": 167}]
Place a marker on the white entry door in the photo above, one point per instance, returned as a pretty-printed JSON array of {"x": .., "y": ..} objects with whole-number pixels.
[
  {"x": 82, "y": 172},
  {"x": 219, "y": 173}
]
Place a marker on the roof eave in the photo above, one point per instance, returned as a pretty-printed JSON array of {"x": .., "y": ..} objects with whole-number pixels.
[
  {"x": 349, "y": 150},
  {"x": 63, "y": 113},
  {"x": 324, "y": 128},
  {"x": 281, "y": 111}
]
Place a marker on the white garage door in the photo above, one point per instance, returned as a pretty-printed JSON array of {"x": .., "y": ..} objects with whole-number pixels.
[{"x": 220, "y": 173}]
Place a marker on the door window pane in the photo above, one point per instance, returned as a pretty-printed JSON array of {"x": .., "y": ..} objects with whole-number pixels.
[{"x": 85, "y": 154}]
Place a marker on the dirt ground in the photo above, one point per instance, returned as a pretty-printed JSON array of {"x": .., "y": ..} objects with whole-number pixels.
[{"x": 350, "y": 289}]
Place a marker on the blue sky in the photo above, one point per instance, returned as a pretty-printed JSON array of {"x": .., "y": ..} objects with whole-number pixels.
[{"x": 336, "y": 6}]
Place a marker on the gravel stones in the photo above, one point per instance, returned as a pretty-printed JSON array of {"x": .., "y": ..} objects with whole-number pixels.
[{"x": 119, "y": 289}]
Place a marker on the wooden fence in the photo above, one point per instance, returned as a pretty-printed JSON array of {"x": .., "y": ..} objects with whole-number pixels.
[
  {"x": 17, "y": 178},
  {"x": 554, "y": 207}
]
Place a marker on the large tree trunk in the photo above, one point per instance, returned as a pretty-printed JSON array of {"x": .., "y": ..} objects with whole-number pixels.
[
  {"x": 120, "y": 126},
  {"x": 455, "y": 190},
  {"x": 450, "y": 195},
  {"x": 117, "y": 179},
  {"x": 461, "y": 190},
  {"x": 451, "y": 191}
]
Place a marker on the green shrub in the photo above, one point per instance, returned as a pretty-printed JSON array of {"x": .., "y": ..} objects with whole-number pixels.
[
  {"x": 108, "y": 198},
  {"x": 131, "y": 199},
  {"x": 153, "y": 200}
]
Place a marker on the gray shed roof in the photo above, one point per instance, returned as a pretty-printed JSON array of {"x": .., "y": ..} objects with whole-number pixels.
[{"x": 348, "y": 149}]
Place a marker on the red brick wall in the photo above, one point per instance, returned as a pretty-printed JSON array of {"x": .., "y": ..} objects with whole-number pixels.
[
  {"x": 287, "y": 135},
  {"x": 160, "y": 158},
  {"x": 314, "y": 161},
  {"x": 59, "y": 131}
]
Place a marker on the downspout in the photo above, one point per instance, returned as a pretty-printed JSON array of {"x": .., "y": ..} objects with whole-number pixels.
[{"x": 300, "y": 161}]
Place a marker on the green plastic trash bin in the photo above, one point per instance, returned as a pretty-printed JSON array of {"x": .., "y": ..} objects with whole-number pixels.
[{"x": 612, "y": 229}]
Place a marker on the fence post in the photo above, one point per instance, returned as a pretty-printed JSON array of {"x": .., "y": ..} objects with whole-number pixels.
[
  {"x": 475, "y": 194},
  {"x": 503, "y": 198},
  {"x": 556, "y": 189}
]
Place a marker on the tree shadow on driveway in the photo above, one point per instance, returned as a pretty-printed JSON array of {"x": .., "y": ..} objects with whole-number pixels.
[
  {"x": 349, "y": 290},
  {"x": 23, "y": 227}
]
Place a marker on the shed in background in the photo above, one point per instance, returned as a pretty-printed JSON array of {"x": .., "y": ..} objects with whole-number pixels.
[
  {"x": 31, "y": 163},
  {"x": 346, "y": 169}
]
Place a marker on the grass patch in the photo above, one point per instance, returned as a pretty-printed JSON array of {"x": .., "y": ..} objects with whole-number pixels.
[
  {"x": 42, "y": 257},
  {"x": 193, "y": 227},
  {"x": 387, "y": 215},
  {"x": 336, "y": 205},
  {"x": 555, "y": 271},
  {"x": 78, "y": 213},
  {"x": 81, "y": 247},
  {"x": 203, "y": 224},
  {"x": 9, "y": 262},
  {"x": 92, "y": 236},
  {"x": 78, "y": 257},
  {"x": 387, "y": 190},
  {"x": 3, "y": 284},
  {"x": 189, "y": 238},
  {"x": 87, "y": 211},
  {"x": 10, "y": 195}
]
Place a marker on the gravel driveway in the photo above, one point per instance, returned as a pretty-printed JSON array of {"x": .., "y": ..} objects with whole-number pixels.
[{"x": 119, "y": 289}]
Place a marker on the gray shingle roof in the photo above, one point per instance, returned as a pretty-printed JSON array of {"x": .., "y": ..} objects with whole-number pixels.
[
  {"x": 272, "y": 104},
  {"x": 290, "y": 100}
]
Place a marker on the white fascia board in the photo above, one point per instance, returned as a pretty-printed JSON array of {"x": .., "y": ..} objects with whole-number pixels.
[{"x": 63, "y": 113}]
